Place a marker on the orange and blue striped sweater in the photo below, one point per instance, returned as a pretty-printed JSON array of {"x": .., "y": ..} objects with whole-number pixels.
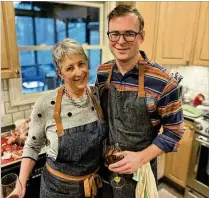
[{"x": 162, "y": 96}]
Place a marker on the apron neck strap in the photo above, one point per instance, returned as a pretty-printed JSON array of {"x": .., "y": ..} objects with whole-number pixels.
[
  {"x": 57, "y": 110},
  {"x": 109, "y": 76},
  {"x": 97, "y": 107},
  {"x": 141, "y": 91}
]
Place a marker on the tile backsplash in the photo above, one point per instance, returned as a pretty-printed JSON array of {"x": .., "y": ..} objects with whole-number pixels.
[
  {"x": 195, "y": 78},
  {"x": 10, "y": 114}
]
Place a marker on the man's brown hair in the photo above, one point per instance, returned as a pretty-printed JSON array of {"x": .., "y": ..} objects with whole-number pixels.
[{"x": 123, "y": 10}]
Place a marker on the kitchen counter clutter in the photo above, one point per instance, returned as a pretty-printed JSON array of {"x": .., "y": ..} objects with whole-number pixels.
[
  {"x": 11, "y": 160},
  {"x": 188, "y": 166},
  {"x": 12, "y": 143},
  {"x": 12, "y": 153},
  {"x": 191, "y": 112}
]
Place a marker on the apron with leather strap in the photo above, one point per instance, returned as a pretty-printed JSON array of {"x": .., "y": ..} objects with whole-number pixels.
[
  {"x": 79, "y": 155},
  {"x": 129, "y": 124}
]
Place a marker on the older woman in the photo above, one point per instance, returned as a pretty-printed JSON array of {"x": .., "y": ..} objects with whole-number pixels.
[{"x": 69, "y": 122}]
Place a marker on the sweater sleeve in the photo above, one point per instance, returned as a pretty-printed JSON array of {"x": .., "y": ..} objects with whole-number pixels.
[
  {"x": 170, "y": 109},
  {"x": 36, "y": 137}
]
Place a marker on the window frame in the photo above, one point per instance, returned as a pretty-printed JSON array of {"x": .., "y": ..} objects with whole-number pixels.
[{"x": 15, "y": 85}]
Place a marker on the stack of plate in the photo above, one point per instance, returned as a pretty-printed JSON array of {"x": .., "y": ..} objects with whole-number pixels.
[{"x": 191, "y": 112}]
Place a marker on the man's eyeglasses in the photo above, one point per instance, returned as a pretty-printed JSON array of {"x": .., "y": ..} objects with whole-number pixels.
[{"x": 128, "y": 36}]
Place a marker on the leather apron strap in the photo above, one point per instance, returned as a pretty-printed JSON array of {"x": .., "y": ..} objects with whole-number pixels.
[
  {"x": 91, "y": 181},
  {"x": 141, "y": 91},
  {"x": 57, "y": 109},
  {"x": 109, "y": 77},
  {"x": 97, "y": 107}
]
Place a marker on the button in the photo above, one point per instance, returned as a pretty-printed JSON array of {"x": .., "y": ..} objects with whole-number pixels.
[{"x": 34, "y": 138}]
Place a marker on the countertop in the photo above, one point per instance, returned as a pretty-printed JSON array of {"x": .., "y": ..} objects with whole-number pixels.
[{"x": 4, "y": 131}]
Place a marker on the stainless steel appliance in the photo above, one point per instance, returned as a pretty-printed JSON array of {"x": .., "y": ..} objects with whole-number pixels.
[{"x": 198, "y": 176}]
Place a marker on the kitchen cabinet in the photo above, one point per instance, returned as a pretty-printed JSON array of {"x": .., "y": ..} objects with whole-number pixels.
[
  {"x": 126, "y": 3},
  {"x": 161, "y": 166},
  {"x": 201, "y": 51},
  {"x": 176, "y": 168},
  {"x": 9, "y": 49},
  {"x": 175, "y": 32},
  {"x": 161, "y": 162},
  {"x": 149, "y": 12}
]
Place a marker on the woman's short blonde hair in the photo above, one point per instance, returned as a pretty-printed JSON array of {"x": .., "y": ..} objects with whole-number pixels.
[{"x": 66, "y": 47}]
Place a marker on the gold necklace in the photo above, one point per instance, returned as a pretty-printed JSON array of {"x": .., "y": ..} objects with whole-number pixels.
[{"x": 73, "y": 101}]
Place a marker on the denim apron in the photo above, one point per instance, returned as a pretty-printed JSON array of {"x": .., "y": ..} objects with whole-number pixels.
[
  {"x": 79, "y": 156},
  {"x": 129, "y": 125}
]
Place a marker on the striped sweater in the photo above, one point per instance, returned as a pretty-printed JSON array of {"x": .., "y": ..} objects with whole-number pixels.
[{"x": 162, "y": 97}]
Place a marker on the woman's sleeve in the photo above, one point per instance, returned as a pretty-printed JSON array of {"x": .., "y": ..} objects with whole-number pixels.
[{"x": 36, "y": 137}]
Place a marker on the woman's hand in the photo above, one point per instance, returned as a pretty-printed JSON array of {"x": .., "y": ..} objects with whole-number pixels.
[
  {"x": 130, "y": 163},
  {"x": 18, "y": 192}
]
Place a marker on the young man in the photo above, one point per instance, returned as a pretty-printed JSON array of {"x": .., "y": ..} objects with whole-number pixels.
[{"x": 137, "y": 97}]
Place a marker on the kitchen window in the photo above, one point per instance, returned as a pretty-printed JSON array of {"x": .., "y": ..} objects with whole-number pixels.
[{"x": 39, "y": 25}]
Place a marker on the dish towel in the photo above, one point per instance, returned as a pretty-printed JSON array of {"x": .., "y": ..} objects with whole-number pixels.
[{"x": 146, "y": 186}]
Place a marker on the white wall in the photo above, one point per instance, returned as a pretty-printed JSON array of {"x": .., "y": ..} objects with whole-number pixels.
[
  {"x": 195, "y": 78},
  {"x": 11, "y": 114}
]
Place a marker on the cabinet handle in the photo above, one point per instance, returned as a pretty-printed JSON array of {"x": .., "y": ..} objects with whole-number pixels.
[
  {"x": 202, "y": 142},
  {"x": 17, "y": 72}
]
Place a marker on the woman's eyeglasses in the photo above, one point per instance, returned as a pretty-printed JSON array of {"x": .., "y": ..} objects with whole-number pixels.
[{"x": 128, "y": 36}]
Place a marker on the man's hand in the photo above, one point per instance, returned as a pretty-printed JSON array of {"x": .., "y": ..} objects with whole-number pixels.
[
  {"x": 134, "y": 160},
  {"x": 130, "y": 163}
]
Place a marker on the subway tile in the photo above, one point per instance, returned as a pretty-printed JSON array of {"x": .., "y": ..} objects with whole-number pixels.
[
  {"x": 18, "y": 116},
  {"x": 24, "y": 107},
  {"x": 10, "y": 109},
  {"x": 2, "y": 108},
  {"x": 6, "y": 120},
  {"x": 28, "y": 113},
  {"x": 32, "y": 105}
]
